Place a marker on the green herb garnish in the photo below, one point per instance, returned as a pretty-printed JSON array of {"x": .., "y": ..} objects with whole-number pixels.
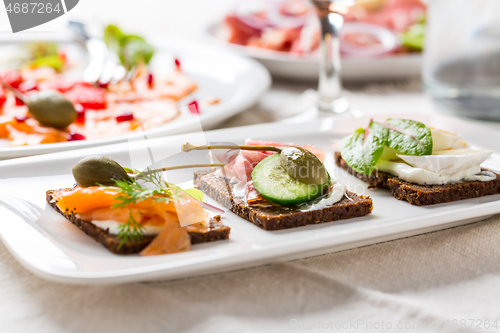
[
  {"x": 362, "y": 150},
  {"x": 132, "y": 50},
  {"x": 194, "y": 193},
  {"x": 414, "y": 37},
  {"x": 409, "y": 137},
  {"x": 131, "y": 192},
  {"x": 44, "y": 54},
  {"x": 130, "y": 232},
  {"x": 103, "y": 171}
]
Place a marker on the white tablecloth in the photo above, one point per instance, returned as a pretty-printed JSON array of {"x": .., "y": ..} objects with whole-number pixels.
[
  {"x": 439, "y": 282},
  {"x": 430, "y": 282}
]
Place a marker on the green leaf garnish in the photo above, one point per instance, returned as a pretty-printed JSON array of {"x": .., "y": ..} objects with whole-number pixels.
[
  {"x": 131, "y": 192},
  {"x": 363, "y": 149},
  {"x": 414, "y": 37},
  {"x": 41, "y": 49},
  {"x": 53, "y": 61},
  {"x": 196, "y": 194},
  {"x": 130, "y": 231},
  {"x": 44, "y": 54},
  {"x": 132, "y": 50},
  {"x": 409, "y": 137}
]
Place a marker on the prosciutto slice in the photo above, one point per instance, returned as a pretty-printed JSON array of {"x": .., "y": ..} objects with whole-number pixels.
[
  {"x": 320, "y": 153},
  {"x": 240, "y": 163}
]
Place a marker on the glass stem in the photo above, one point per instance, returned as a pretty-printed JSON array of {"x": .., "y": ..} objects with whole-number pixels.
[{"x": 330, "y": 82}]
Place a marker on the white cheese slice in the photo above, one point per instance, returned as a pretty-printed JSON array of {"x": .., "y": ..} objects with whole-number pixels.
[
  {"x": 444, "y": 140},
  {"x": 447, "y": 162},
  {"x": 441, "y": 140}
]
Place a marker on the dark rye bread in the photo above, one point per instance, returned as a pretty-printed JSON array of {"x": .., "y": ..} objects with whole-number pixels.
[
  {"x": 277, "y": 217},
  {"x": 216, "y": 231},
  {"x": 422, "y": 195},
  {"x": 375, "y": 180}
]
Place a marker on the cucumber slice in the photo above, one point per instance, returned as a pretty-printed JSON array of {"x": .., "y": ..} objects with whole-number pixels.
[{"x": 273, "y": 182}]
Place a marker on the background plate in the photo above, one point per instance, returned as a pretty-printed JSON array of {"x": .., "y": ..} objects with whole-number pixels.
[
  {"x": 237, "y": 81},
  {"x": 53, "y": 248},
  {"x": 290, "y": 66}
]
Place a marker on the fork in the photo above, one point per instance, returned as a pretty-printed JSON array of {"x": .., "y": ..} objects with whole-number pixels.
[{"x": 102, "y": 68}]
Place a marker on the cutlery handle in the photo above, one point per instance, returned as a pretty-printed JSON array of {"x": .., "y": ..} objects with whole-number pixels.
[{"x": 98, "y": 53}]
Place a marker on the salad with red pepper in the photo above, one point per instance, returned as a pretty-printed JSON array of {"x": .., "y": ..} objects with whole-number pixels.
[{"x": 102, "y": 110}]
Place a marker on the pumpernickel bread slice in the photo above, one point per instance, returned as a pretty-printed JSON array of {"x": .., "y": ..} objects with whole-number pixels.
[
  {"x": 375, "y": 180},
  {"x": 275, "y": 217},
  {"x": 422, "y": 195},
  {"x": 215, "y": 231}
]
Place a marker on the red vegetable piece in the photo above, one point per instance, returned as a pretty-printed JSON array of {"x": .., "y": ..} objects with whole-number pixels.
[
  {"x": 177, "y": 64},
  {"x": 76, "y": 137},
  {"x": 62, "y": 55},
  {"x": 88, "y": 97},
  {"x": 125, "y": 117},
  {"x": 13, "y": 78},
  {"x": 193, "y": 107},
  {"x": 150, "y": 80},
  {"x": 80, "y": 113},
  {"x": 3, "y": 96},
  {"x": 21, "y": 119},
  {"x": 19, "y": 102},
  {"x": 103, "y": 85},
  {"x": 28, "y": 86},
  {"x": 61, "y": 84}
]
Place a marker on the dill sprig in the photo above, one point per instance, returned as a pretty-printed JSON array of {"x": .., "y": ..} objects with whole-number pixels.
[
  {"x": 131, "y": 192},
  {"x": 130, "y": 231}
]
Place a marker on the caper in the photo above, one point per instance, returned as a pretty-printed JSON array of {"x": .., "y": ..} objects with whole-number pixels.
[
  {"x": 98, "y": 169},
  {"x": 51, "y": 108},
  {"x": 303, "y": 165}
]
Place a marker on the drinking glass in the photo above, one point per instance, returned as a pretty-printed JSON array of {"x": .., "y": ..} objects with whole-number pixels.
[{"x": 461, "y": 68}]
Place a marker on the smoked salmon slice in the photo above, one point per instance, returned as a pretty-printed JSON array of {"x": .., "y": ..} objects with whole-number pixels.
[{"x": 96, "y": 203}]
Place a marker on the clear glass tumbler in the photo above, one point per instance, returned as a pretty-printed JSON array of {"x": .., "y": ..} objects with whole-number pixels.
[{"x": 461, "y": 69}]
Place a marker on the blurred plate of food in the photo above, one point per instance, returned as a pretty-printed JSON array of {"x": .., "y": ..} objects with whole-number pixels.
[
  {"x": 380, "y": 39},
  {"x": 174, "y": 86}
]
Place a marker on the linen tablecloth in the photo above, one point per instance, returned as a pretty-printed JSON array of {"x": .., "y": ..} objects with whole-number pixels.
[{"x": 433, "y": 282}]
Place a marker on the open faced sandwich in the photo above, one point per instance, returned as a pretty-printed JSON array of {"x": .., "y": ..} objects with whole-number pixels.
[
  {"x": 136, "y": 212},
  {"x": 279, "y": 186},
  {"x": 421, "y": 165}
]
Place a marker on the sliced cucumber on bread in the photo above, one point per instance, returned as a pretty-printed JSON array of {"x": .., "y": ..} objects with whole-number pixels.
[{"x": 274, "y": 183}]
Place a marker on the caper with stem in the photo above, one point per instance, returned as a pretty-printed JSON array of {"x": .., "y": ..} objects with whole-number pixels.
[
  {"x": 303, "y": 165},
  {"x": 101, "y": 170},
  {"x": 49, "y": 107},
  {"x": 298, "y": 162},
  {"x": 98, "y": 169}
]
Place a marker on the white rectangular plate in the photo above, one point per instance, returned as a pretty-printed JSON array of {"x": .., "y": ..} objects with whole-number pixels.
[{"x": 51, "y": 247}]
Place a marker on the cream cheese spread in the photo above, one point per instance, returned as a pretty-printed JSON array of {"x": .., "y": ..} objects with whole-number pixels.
[
  {"x": 336, "y": 193},
  {"x": 113, "y": 227}
]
